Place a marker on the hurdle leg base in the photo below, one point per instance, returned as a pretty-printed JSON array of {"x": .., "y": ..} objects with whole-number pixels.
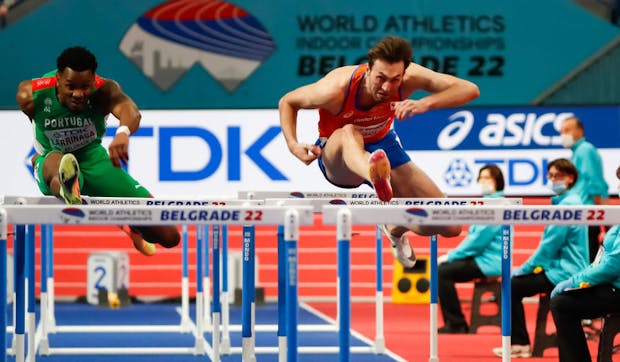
[
  {"x": 185, "y": 326},
  {"x": 379, "y": 346},
  {"x": 199, "y": 347},
  {"x": 247, "y": 350},
  {"x": 282, "y": 351},
  {"x": 44, "y": 347},
  {"x": 225, "y": 345}
]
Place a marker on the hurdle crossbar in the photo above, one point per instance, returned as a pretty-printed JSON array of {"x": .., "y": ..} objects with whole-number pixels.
[
  {"x": 262, "y": 195},
  {"x": 483, "y": 214},
  {"x": 319, "y": 203}
]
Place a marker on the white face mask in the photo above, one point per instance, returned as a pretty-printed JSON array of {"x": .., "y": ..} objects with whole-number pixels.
[
  {"x": 558, "y": 187},
  {"x": 486, "y": 188},
  {"x": 567, "y": 140}
]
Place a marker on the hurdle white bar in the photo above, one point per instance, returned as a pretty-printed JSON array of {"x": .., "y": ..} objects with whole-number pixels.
[
  {"x": 153, "y": 215},
  {"x": 483, "y": 214},
  {"x": 496, "y": 215},
  {"x": 206, "y": 279},
  {"x": 262, "y": 195},
  {"x": 185, "y": 320},
  {"x": 319, "y": 203}
]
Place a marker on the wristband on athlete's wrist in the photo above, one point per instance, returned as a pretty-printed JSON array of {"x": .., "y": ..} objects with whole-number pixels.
[{"x": 123, "y": 129}]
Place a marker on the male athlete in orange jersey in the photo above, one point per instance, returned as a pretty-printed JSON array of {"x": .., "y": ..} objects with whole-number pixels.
[{"x": 357, "y": 106}]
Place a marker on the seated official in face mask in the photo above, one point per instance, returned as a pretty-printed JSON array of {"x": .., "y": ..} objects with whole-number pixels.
[
  {"x": 590, "y": 293},
  {"x": 562, "y": 251},
  {"x": 477, "y": 256}
]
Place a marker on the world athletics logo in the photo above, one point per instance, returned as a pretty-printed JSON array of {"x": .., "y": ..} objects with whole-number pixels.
[{"x": 170, "y": 38}]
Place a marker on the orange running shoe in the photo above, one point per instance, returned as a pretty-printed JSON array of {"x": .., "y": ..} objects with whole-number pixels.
[
  {"x": 380, "y": 175},
  {"x": 139, "y": 243}
]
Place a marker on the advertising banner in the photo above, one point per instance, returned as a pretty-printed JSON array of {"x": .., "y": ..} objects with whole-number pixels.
[
  {"x": 452, "y": 144},
  {"x": 218, "y": 153},
  {"x": 246, "y": 54}
]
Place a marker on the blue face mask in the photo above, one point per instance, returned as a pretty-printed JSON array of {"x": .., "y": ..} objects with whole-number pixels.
[{"x": 558, "y": 187}]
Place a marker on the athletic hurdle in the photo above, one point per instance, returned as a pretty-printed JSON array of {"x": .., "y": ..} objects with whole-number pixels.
[
  {"x": 124, "y": 221},
  {"x": 318, "y": 203},
  {"x": 316, "y": 200},
  {"x": 344, "y": 217},
  {"x": 48, "y": 325}
]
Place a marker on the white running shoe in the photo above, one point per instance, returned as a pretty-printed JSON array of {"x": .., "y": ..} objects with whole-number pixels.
[
  {"x": 401, "y": 248},
  {"x": 516, "y": 351},
  {"x": 69, "y": 176}
]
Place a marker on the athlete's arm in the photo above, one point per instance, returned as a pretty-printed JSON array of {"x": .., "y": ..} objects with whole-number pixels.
[
  {"x": 24, "y": 98},
  {"x": 328, "y": 93},
  {"x": 446, "y": 91},
  {"x": 114, "y": 101}
]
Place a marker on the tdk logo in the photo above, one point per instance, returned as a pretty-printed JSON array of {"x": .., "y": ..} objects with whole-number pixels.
[
  {"x": 502, "y": 130},
  {"x": 230, "y": 147},
  {"x": 519, "y": 171},
  {"x": 166, "y": 41}
]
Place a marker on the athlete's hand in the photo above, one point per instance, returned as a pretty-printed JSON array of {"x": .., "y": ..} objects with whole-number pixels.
[
  {"x": 119, "y": 149},
  {"x": 409, "y": 107},
  {"x": 305, "y": 152}
]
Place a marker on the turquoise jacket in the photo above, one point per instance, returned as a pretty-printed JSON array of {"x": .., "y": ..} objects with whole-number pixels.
[
  {"x": 484, "y": 243},
  {"x": 591, "y": 181},
  {"x": 607, "y": 268},
  {"x": 563, "y": 249}
]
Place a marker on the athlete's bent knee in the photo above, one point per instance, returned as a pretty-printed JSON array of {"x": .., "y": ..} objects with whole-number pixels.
[
  {"x": 451, "y": 231},
  {"x": 170, "y": 238},
  {"x": 166, "y": 236}
]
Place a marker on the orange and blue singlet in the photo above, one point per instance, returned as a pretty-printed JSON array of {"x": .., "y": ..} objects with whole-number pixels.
[{"x": 375, "y": 123}]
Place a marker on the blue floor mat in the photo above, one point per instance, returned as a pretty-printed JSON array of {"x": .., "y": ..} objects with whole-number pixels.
[{"x": 167, "y": 314}]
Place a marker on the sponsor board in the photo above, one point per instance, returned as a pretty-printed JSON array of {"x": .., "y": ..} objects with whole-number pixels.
[
  {"x": 521, "y": 141},
  {"x": 483, "y": 214},
  {"x": 246, "y": 54},
  {"x": 562, "y": 215},
  {"x": 207, "y": 153}
]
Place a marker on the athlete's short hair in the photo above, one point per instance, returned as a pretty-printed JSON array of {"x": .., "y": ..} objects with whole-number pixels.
[
  {"x": 565, "y": 166},
  {"x": 578, "y": 122},
  {"x": 77, "y": 58},
  {"x": 392, "y": 49},
  {"x": 496, "y": 173}
]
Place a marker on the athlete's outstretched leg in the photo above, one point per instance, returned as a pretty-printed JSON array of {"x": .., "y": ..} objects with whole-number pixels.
[{"x": 408, "y": 180}]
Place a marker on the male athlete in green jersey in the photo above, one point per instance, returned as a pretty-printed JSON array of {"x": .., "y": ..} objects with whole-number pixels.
[{"x": 68, "y": 108}]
